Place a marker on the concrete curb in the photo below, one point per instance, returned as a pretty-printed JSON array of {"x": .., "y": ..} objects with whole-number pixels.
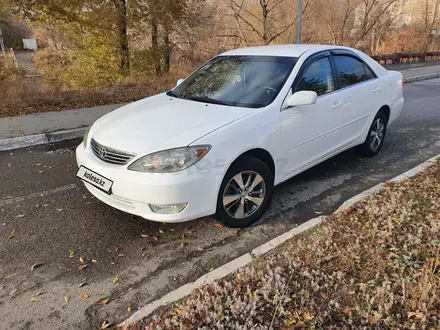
[
  {"x": 420, "y": 78},
  {"x": 247, "y": 258},
  {"x": 40, "y": 139},
  {"x": 221, "y": 272},
  {"x": 369, "y": 192}
]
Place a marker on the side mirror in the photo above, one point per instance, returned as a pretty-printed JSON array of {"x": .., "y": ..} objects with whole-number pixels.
[
  {"x": 179, "y": 82},
  {"x": 302, "y": 98}
]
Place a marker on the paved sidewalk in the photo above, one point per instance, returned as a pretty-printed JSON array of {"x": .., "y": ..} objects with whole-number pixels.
[
  {"x": 416, "y": 69},
  {"x": 28, "y": 130},
  {"x": 51, "y": 121}
]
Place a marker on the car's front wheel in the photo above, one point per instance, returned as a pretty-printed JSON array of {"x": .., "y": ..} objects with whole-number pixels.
[{"x": 245, "y": 193}]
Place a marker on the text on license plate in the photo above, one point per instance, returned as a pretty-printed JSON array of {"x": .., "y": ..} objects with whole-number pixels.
[{"x": 94, "y": 179}]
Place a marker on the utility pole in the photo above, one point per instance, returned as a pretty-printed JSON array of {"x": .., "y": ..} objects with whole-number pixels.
[
  {"x": 2, "y": 47},
  {"x": 300, "y": 12}
]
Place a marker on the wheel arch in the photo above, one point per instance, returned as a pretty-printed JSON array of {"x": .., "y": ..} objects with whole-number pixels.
[
  {"x": 260, "y": 154},
  {"x": 386, "y": 110}
]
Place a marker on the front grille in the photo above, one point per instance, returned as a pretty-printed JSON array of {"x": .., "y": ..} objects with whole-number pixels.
[{"x": 110, "y": 155}]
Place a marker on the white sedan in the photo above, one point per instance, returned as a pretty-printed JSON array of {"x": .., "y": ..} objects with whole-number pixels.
[{"x": 244, "y": 122}]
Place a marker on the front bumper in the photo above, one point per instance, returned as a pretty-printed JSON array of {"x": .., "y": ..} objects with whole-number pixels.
[{"x": 133, "y": 192}]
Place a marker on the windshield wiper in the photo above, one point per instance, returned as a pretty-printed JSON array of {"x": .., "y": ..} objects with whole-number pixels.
[
  {"x": 171, "y": 93},
  {"x": 206, "y": 99}
]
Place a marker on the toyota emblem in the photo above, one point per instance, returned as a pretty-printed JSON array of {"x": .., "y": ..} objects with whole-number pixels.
[{"x": 103, "y": 152}]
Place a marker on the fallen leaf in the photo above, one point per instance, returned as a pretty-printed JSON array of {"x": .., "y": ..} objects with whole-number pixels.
[
  {"x": 82, "y": 284},
  {"x": 155, "y": 238},
  {"x": 211, "y": 269},
  {"x": 20, "y": 216},
  {"x": 129, "y": 308},
  {"x": 41, "y": 172},
  {"x": 11, "y": 235},
  {"x": 67, "y": 299},
  {"x": 120, "y": 255},
  {"x": 417, "y": 315},
  {"x": 39, "y": 164},
  {"x": 103, "y": 301},
  {"x": 36, "y": 265},
  {"x": 37, "y": 206},
  {"x": 218, "y": 225},
  {"x": 145, "y": 235},
  {"x": 182, "y": 245},
  {"x": 161, "y": 231},
  {"x": 12, "y": 292},
  {"x": 39, "y": 294},
  {"x": 82, "y": 267},
  {"x": 81, "y": 259},
  {"x": 142, "y": 249},
  {"x": 115, "y": 280},
  {"x": 105, "y": 325},
  {"x": 83, "y": 296},
  {"x": 59, "y": 210},
  {"x": 94, "y": 261},
  {"x": 200, "y": 249},
  {"x": 317, "y": 212},
  {"x": 36, "y": 299},
  {"x": 71, "y": 253},
  {"x": 143, "y": 255},
  {"x": 172, "y": 229},
  {"x": 10, "y": 276}
]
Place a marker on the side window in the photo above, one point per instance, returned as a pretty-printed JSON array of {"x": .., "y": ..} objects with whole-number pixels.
[
  {"x": 370, "y": 74},
  {"x": 318, "y": 78},
  {"x": 351, "y": 70}
]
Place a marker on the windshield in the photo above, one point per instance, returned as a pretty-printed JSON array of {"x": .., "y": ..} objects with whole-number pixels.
[{"x": 245, "y": 81}]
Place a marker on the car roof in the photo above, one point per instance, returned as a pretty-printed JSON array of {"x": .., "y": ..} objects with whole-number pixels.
[{"x": 279, "y": 50}]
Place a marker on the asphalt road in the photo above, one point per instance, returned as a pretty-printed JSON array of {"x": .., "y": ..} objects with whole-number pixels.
[{"x": 48, "y": 217}]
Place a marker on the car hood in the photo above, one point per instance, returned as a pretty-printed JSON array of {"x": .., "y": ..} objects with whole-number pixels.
[{"x": 161, "y": 122}]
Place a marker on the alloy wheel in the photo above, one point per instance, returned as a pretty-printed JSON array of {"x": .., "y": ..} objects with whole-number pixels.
[
  {"x": 244, "y": 194},
  {"x": 377, "y": 134}
]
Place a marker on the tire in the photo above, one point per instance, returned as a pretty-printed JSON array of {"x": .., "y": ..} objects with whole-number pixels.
[
  {"x": 248, "y": 200},
  {"x": 376, "y": 136}
]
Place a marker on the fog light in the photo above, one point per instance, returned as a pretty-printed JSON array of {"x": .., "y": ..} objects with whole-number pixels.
[{"x": 168, "y": 209}]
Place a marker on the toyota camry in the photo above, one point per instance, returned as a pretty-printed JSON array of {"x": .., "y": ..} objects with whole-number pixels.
[{"x": 242, "y": 123}]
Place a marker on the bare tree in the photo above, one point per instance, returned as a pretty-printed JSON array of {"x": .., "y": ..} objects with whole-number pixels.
[
  {"x": 259, "y": 19},
  {"x": 347, "y": 22}
]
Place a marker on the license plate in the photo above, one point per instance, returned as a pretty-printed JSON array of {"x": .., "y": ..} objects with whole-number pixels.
[{"x": 94, "y": 179}]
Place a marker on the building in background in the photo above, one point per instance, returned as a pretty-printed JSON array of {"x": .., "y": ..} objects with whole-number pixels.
[{"x": 30, "y": 44}]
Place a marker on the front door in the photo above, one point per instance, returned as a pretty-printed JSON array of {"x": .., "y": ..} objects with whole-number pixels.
[{"x": 312, "y": 132}]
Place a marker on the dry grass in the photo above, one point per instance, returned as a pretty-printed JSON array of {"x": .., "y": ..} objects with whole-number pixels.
[
  {"x": 21, "y": 96},
  {"x": 376, "y": 266}
]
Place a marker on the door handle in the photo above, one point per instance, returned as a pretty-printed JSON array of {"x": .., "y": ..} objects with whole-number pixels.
[
  {"x": 377, "y": 89},
  {"x": 337, "y": 104}
]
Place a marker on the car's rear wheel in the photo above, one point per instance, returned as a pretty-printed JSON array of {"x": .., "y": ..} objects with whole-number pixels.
[
  {"x": 376, "y": 136},
  {"x": 245, "y": 193}
]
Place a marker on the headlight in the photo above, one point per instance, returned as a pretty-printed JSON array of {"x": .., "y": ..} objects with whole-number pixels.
[
  {"x": 86, "y": 136},
  {"x": 169, "y": 161}
]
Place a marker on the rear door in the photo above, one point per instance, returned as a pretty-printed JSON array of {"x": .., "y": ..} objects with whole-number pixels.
[{"x": 361, "y": 92}]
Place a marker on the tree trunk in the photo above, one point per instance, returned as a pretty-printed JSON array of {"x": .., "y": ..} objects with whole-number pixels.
[
  {"x": 124, "y": 52},
  {"x": 167, "y": 50},
  {"x": 155, "y": 47},
  {"x": 265, "y": 27}
]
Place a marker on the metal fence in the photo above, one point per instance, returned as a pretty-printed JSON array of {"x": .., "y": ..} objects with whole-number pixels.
[{"x": 407, "y": 57}]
